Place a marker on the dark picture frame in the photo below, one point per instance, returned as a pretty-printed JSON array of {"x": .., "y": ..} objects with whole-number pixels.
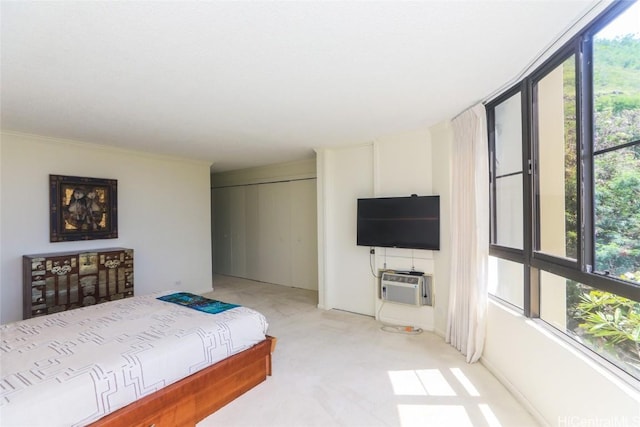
[{"x": 82, "y": 208}]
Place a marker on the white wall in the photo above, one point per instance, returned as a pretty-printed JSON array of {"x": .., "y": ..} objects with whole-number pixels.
[
  {"x": 403, "y": 166},
  {"x": 441, "y": 143},
  {"x": 345, "y": 280},
  {"x": 287, "y": 171},
  {"x": 558, "y": 383},
  {"x": 397, "y": 165},
  {"x": 163, "y": 212}
]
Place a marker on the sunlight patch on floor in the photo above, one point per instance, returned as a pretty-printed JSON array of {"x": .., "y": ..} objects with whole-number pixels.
[
  {"x": 433, "y": 385},
  {"x": 462, "y": 378},
  {"x": 422, "y": 382},
  {"x": 489, "y": 415},
  {"x": 433, "y": 415}
]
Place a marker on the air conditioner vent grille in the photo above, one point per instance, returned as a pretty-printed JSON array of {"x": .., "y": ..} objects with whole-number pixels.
[{"x": 406, "y": 288}]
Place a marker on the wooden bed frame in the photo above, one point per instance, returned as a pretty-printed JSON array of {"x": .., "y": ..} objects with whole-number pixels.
[{"x": 197, "y": 396}]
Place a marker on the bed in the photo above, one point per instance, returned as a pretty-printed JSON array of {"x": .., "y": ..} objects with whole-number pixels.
[{"x": 136, "y": 361}]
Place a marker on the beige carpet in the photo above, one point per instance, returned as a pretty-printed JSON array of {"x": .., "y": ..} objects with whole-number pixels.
[{"x": 334, "y": 368}]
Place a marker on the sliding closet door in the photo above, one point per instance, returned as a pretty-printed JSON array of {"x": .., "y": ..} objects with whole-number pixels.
[
  {"x": 304, "y": 242},
  {"x": 237, "y": 222},
  {"x": 274, "y": 233},
  {"x": 222, "y": 230},
  {"x": 267, "y": 232},
  {"x": 252, "y": 232}
]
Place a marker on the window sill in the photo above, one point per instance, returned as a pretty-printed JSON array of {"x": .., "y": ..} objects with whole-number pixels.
[{"x": 607, "y": 369}]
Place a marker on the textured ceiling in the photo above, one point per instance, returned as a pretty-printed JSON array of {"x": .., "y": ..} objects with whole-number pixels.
[{"x": 242, "y": 84}]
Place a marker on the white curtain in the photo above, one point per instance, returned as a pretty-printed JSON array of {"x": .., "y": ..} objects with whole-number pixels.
[{"x": 466, "y": 319}]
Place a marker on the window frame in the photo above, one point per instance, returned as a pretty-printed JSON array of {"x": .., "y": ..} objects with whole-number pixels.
[
  {"x": 572, "y": 48},
  {"x": 534, "y": 261},
  {"x": 608, "y": 16},
  {"x": 505, "y": 252},
  {"x": 508, "y": 251}
]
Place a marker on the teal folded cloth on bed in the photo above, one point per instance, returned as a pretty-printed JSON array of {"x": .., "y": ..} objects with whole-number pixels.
[{"x": 198, "y": 302}]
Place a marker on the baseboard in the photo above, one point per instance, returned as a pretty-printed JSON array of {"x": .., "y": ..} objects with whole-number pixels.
[{"x": 514, "y": 391}]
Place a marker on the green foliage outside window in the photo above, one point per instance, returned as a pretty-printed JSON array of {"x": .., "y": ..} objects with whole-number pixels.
[
  {"x": 617, "y": 173},
  {"x": 610, "y": 324}
]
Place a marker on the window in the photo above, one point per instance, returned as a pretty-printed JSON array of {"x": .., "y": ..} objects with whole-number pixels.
[
  {"x": 556, "y": 166},
  {"x": 506, "y": 281},
  {"x": 601, "y": 321},
  {"x": 565, "y": 190},
  {"x": 616, "y": 144},
  {"x": 507, "y": 173}
]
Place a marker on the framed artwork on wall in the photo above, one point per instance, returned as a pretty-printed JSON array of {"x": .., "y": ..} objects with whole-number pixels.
[{"x": 82, "y": 208}]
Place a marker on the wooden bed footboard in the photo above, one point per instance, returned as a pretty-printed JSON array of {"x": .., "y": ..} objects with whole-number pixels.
[{"x": 192, "y": 399}]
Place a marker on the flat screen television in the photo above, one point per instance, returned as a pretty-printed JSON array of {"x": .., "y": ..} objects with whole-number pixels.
[{"x": 399, "y": 222}]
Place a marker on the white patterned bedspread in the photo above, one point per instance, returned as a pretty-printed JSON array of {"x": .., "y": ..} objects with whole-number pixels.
[{"x": 74, "y": 367}]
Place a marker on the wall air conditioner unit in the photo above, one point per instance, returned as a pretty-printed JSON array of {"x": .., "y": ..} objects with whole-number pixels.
[{"x": 403, "y": 288}]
